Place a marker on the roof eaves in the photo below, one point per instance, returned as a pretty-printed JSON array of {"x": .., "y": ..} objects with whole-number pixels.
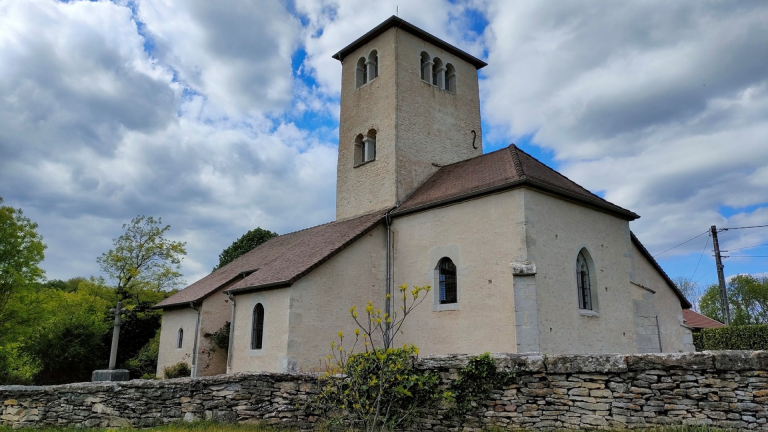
[
  {"x": 266, "y": 286},
  {"x": 683, "y": 301},
  {"x": 395, "y": 21}
]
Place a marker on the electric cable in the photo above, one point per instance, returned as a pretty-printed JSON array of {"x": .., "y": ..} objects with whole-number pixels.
[
  {"x": 705, "y": 232},
  {"x": 700, "y": 257}
]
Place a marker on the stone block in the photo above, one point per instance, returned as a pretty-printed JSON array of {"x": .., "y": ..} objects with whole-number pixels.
[
  {"x": 740, "y": 360},
  {"x": 685, "y": 361},
  {"x": 110, "y": 375},
  {"x": 583, "y": 363}
]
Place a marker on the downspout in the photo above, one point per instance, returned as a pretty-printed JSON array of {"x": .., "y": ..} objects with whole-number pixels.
[
  {"x": 388, "y": 300},
  {"x": 194, "y": 346},
  {"x": 231, "y": 333}
]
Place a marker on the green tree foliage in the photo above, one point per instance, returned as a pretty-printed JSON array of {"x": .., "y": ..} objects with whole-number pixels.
[
  {"x": 476, "y": 382},
  {"x": 21, "y": 251},
  {"x": 143, "y": 259},
  {"x": 248, "y": 241},
  {"x": 747, "y": 297},
  {"x": 748, "y": 337},
  {"x": 220, "y": 337}
]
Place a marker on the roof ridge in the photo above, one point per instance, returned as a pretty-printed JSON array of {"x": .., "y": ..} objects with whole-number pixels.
[{"x": 516, "y": 161}]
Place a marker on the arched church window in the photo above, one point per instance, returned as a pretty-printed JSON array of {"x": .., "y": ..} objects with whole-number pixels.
[
  {"x": 372, "y": 65},
  {"x": 426, "y": 66},
  {"x": 584, "y": 281},
  {"x": 447, "y": 280},
  {"x": 450, "y": 78},
  {"x": 180, "y": 338},
  {"x": 257, "y": 332},
  {"x": 361, "y": 73}
]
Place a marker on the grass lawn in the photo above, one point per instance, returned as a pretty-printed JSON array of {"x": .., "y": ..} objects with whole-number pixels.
[{"x": 219, "y": 427}]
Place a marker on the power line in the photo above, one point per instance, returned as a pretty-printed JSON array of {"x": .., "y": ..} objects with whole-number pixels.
[
  {"x": 700, "y": 257},
  {"x": 746, "y": 227},
  {"x": 682, "y": 243},
  {"x": 745, "y": 256},
  {"x": 745, "y": 247}
]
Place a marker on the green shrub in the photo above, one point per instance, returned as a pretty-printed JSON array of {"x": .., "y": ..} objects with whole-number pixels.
[
  {"x": 751, "y": 337},
  {"x": 145, "y": 361},
  {"x": 220, "y": 337},
  {"x": 476, "y": 382},
  {"x": 179, "y": 370}
]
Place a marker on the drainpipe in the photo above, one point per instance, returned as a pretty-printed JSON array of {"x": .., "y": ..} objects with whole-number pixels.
[
  {"x": 389, "y": 301},
  {"x": 231, "y": 333},
  {"x": 194, "y": 346}
]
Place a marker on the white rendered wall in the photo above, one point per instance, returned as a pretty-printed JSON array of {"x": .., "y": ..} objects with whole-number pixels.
[
  {"x": 173, "y": 320},
  {"x": 482, "y": 238},
  {"x": 557, "y": 231}
]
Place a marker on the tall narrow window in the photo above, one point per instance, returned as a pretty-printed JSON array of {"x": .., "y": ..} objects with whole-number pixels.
[
  {"x": 180, "y": 339},
  {"x": 447, "y": 275},
  {"x": 361, "y": 74},
  {"x": 257, "y": 333},
  {"x": 583, "y": 282}
]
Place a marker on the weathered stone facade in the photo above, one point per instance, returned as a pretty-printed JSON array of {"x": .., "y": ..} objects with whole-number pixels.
[{"x": 727, "y": 389}]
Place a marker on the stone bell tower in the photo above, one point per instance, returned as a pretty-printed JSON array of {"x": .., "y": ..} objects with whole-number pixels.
[{"x": 410, "y": 104}]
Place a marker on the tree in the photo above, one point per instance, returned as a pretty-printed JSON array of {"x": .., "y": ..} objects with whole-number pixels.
[
  {"x": 747, "y": 297},
  {"x": 248, "y": 241},
  {"x": 21, "y": 251},
  {"x": 689, "y": 288},
  {"x": 143, "y": 258}
]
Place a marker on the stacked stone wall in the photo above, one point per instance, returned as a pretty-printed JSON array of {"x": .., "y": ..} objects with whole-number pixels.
[{"x": 727, "y": 389}]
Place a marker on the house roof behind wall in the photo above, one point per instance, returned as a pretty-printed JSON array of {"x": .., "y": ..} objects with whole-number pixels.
[
  {"x": 699, "y": 321},
  {"x": 279, "y": 261},
  {"x": 503, "y": 169}
]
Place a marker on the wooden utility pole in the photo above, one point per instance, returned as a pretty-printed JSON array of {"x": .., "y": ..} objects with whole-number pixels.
[{"x": 721, "y": 278}]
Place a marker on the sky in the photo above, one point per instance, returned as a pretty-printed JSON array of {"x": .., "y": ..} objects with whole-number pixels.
[{"x": 222, "y": 116}]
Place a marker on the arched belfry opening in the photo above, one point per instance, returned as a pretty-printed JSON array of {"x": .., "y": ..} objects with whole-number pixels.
[{"x": 372, "y": 65}]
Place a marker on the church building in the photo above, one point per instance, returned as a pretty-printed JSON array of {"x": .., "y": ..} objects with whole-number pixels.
[{"x": 521, "y": 258}]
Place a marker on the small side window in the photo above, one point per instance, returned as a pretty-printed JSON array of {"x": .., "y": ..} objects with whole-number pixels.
[
  {"x": 180, "y": 338},
  {"x": 447, "y": 279},
  {"x": 584, "y": 282}
]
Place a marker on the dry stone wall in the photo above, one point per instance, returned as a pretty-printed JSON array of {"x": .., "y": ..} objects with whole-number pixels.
[{"x": 727, "y": 389}]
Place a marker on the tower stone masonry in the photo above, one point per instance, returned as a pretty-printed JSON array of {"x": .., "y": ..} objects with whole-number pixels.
[{"x": 418, "y": 98}]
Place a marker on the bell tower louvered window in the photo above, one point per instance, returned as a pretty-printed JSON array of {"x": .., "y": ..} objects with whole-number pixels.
[
  {"x": 257, "y": 332},
  {"x": 447, "y": 280}
]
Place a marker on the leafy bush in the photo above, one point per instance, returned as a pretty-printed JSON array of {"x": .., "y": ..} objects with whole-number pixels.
[
  {"x": 751, "y": 337},
  {"x": 179, "y": 370},
  {"x": 377, "y": 389},
  {"x": 16, "y": 366},
  {"x": 476, "y": 381}
]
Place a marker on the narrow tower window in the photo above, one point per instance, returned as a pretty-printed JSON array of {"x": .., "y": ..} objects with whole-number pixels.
[
  {"x": 359, "y": 150},
  {"x": 583, "y": 282},
  {"x": 447, "y": 280},
  {"x": 361, "y": 74},
  {"x": 438, "y": 73},
  {"x": 257, "y": 333},
  {"x": 426, "y": 67},
  {"x": 180, "y": 339},
  {"x": 450, "y": 78},
  {"x": 372, "y": 65},
  {"x": 370, "y": 145}
]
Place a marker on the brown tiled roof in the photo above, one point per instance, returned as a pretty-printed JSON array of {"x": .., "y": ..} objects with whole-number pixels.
[
  {"x": 280, "y": 261},
  {"x": 699, "y": 321},
  {"x": 506, "y": 168},
  {"x": 683, "y": 301}
]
